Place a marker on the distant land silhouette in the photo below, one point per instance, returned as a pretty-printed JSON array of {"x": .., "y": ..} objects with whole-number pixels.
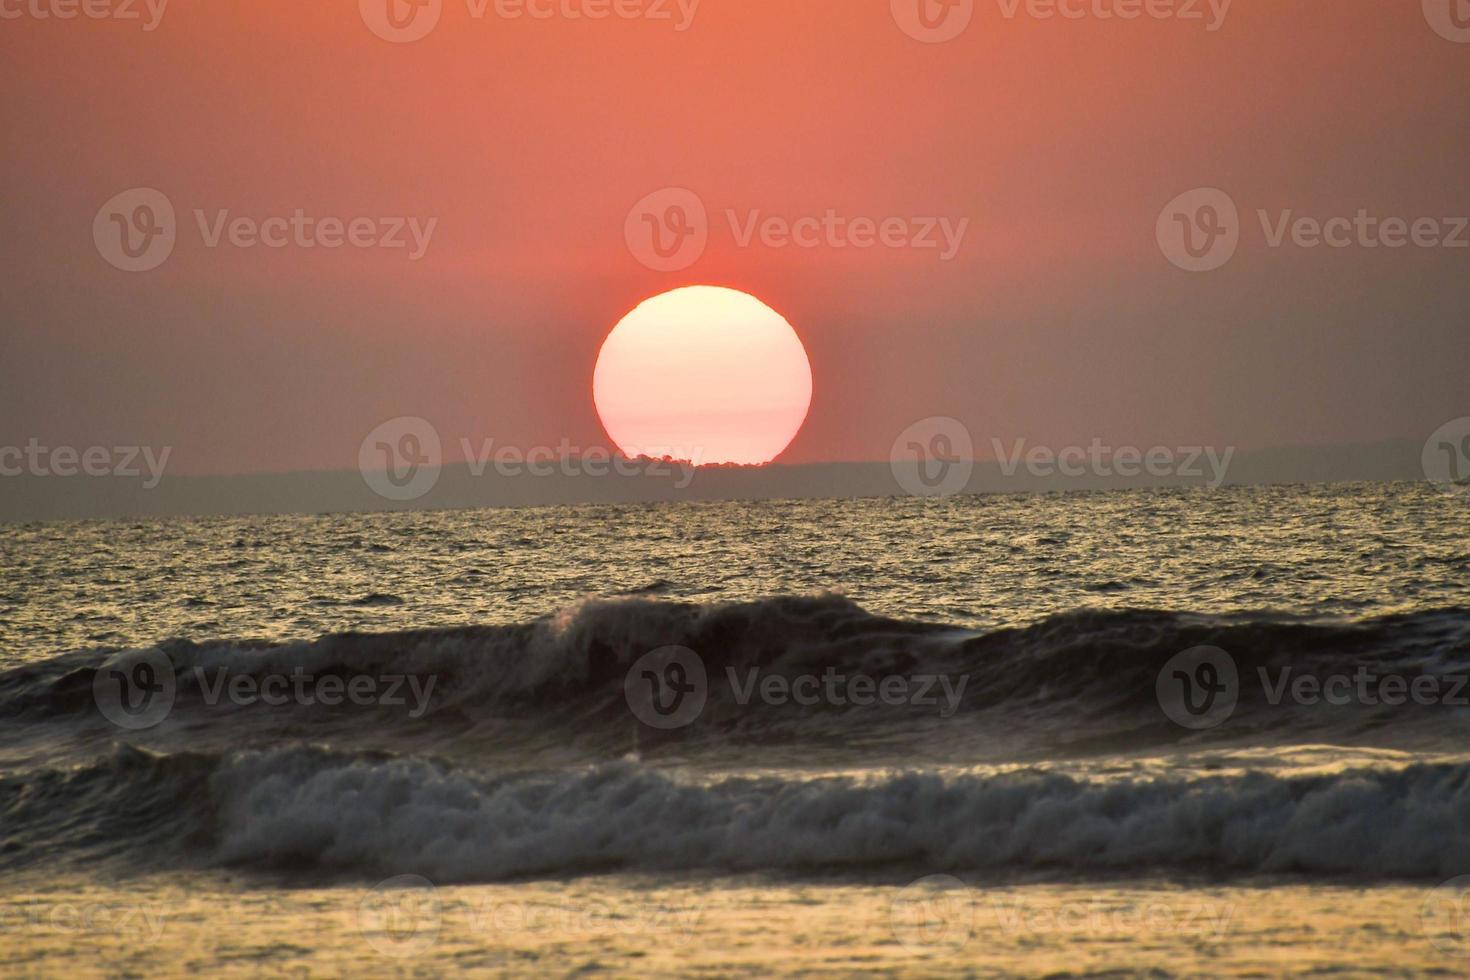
[{"x": 32, "y": 498}]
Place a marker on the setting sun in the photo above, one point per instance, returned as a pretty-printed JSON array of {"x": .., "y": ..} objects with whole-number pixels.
[{"x": 703, "y": 373}]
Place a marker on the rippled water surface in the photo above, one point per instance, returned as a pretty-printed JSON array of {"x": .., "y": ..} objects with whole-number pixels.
[
  {"x": 977, "y": 562},
  {"x": 521, "y": 814}
]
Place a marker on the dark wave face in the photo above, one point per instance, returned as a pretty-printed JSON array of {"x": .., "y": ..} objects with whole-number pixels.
[{"x": 784, "y": 670}]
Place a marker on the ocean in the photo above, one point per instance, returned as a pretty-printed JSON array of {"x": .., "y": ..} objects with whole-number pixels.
[{"x": 1173, "y": 733}]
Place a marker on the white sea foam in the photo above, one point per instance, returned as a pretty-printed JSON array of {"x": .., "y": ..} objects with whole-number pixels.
[{"x": 295, "y": 807}]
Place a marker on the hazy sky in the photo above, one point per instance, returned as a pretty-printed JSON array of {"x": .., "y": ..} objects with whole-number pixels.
[{"x": 1057, "y": 318}]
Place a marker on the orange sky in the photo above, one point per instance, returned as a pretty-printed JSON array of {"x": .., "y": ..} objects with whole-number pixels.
[{"x": 529, "y": 140}]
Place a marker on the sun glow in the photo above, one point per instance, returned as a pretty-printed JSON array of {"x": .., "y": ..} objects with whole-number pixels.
[{"x": 703, "y": 373}]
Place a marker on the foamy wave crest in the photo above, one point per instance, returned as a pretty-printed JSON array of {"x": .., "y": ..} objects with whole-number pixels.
[
  {"x": 306, "y": 808},
  {"x": 338, "y": 815}
]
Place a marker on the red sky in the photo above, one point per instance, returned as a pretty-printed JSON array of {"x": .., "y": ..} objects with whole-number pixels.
[{"x": 1058, "y": 320}]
